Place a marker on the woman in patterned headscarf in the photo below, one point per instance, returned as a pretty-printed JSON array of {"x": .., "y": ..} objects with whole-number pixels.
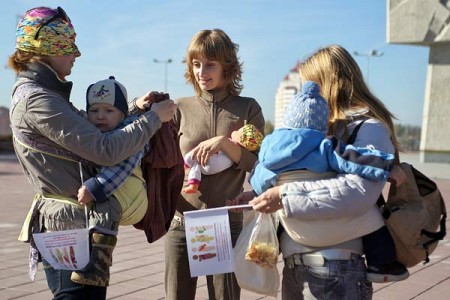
[{"x": 54, "y": 142}]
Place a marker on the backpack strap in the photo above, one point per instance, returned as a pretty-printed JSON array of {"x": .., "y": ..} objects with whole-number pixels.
[
  {"x": 351, "y": 140},
  {"x": 435, "y": 236},
  {"x": 352, "y": 137}
]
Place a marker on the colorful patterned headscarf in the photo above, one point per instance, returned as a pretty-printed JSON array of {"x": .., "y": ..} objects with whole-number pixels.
[{"x": 37, "y": 35}]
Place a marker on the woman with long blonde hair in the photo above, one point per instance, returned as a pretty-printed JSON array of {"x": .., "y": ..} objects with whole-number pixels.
[
  {"x": 335, "y": 270},
  {"x": 57, "y": 146},
  {"x": 342, "y": 84}
]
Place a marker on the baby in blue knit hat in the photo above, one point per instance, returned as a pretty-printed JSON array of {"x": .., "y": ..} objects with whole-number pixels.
[
  {"x": 300, "y": 146},
  {"x": 301, "y": 143},
  {"x": 308, "y": 109}
]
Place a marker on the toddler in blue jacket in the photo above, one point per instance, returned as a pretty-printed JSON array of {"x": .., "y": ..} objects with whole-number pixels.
[{"x": 301, "y": 144}]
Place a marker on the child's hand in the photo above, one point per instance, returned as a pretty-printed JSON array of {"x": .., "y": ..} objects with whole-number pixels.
[
  {"x": 397, "y": 176},
  {"x": 84, "y": 197}
]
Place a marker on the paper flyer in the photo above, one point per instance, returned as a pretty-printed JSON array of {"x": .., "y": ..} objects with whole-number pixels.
[
  {"x": 208, "y": 240},
  {"x": 64, "y": 250}
]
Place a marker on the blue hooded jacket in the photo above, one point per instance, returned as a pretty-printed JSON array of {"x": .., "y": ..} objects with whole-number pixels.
[{"x": 288, "y": 149}]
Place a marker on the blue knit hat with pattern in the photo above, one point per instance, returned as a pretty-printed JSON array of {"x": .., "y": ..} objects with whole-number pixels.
[{"x": 308, "y": 109}]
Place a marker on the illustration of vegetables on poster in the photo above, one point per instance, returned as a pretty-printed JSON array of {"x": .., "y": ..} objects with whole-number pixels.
[
  {"x": 64, "y": 250},
  {"x": 208, "y": 239}
]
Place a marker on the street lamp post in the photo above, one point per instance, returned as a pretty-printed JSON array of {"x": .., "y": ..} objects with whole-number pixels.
[
  {"x": 165, "y": 62},
  {"x": 372, "y": 53}
]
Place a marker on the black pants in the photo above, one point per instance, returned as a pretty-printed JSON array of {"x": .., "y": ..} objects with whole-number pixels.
[{"x": 379, "y": 247}]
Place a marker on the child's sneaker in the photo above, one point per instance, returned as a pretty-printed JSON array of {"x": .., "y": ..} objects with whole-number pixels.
[{"x": 394, "y": 271}]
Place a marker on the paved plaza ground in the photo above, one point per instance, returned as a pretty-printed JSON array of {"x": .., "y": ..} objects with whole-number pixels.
[{"x": 138, "y": 267}]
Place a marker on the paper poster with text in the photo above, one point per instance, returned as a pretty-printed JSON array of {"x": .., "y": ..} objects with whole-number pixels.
[
  {"x": 64, "y": 250},
  {"x": 209, "y": 244}
]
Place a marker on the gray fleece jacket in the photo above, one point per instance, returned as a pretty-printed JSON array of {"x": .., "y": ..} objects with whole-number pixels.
[{"x": 42, "y": 114}]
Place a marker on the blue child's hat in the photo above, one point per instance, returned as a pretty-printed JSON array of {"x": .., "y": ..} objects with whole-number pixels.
[{"x": 308, "y": 109}]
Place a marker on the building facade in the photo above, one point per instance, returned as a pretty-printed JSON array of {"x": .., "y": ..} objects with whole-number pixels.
[
  {"x": 288, "y": 87},
  {"x": 427, "y": 23}
]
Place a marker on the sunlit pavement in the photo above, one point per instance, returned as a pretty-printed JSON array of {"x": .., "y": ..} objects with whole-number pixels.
[{"x": 138, "y": 267}]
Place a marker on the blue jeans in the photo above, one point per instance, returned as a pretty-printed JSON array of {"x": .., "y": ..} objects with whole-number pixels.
[
  {"x": 179, "y": 285},
  {"x": 336, "y": 280},
  {"x": 63, "y": 288}
]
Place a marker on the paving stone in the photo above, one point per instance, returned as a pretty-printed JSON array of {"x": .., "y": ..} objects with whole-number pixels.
[{"x": 138, "y": 267}]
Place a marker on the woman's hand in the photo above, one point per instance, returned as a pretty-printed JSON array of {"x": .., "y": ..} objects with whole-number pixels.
[
  {"x": 205, "y": 149},
  {"x": 268, "y": 202},
  {"x": 165, "y": 110}
]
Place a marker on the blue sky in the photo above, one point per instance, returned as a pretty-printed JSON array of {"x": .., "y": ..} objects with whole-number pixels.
[{"x": 122, "y": 38}]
